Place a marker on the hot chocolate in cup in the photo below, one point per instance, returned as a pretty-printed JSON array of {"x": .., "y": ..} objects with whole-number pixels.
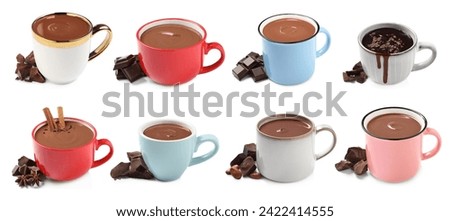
[
  {"x": 68, "y": 153},
  {"x": 388, "y": 50}
]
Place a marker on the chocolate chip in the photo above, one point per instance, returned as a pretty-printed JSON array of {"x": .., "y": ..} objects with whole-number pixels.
[
  {"x": 343, "y": 165},
  {"x": 360, "y": 167},
  {"x": 250, "y": 150},
  {"x": 259, "y": 74},
  {"x": 355, "y": 154},
  {"x": 238, "y": 159},
  {"x": 247, "y": 166}
]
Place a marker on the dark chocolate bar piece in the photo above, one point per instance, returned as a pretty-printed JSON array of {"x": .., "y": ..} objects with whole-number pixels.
[
  {"x": 343, "y": 165},
  {"x": 238, "y": 159},
  {"x": 133, "y": 72},
  {"x": 120, "y": 171},
  {"x": 123, "y": 62},
  {"x": 250, "y": 150},
  {"x": 26, "y": 161},
  {"x": 250, "y": 62},
  {"x": 253, "y": 55},
  {"x": 259, "y": 74},
  {"x": 240, "y": 72},
  {"x": 134, "y": 155},
  {"x": 120, "y": 75},
  {"x": 247, "y": 166},
  {"x": 355, "y": 154}
]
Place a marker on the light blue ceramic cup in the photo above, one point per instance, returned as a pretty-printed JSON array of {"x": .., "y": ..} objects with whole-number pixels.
[
  {"x": 168, "y": 159},
  {"x": 293, "y": 62}
]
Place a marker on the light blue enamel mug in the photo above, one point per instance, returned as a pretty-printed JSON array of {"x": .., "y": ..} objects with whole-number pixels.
[
  {"x": 292, "y": 62},
  {"x": 168, "y": 159}
]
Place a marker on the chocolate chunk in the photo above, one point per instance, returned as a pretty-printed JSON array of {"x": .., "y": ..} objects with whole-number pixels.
[
  {"x": 347, "y": 77},
  {"x": 133, "y": 72},
  {"x": 236, "y": 172},
  {"x": 362, "y": 77},
  {"x": 238, "y": 159},
  {"x": 259, "y": 74},
  {"x": 240, "y": 71},
  {"x": 30, "y": 59},
  {"x": 355, "y": 154},
  {"x": 247, "y": 166},
  {"x": 22, "y": 70},
  {"x": 343, "y": 165},
  {"x": 36, "y": 76},
  {"x": 253, "y": 55},
  {"x": 134, "y": 155},
  {"x": 250, "y": 150},
  {"x": 123, "y": 62},
  {"x": 255, "y": 175},
  {"x": 120, "y": 171},
  {"x": 360, "y": 167},
  {"x": 15, "y": 171},
  {"x": 20, "y": 58},
  {"x": 120, "y": 75},
  {"x": 26, "y": 161},
  {"x": 358, "y": 66},
  {"x": 250, "y": 62},
  {"x": 142, "y": 174},
  {"x": 228, "y": 171}
]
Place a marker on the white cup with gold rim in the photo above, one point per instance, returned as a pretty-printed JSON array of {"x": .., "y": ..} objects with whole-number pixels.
[{"x": 62, "y": 45}]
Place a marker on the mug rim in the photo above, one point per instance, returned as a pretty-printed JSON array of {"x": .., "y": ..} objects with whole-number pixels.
[
  {"x": 275, "y": 117},
  {"x": 170, "y": 121},
  {"x": 85, "y": 123},
  {"x": 65, "y": 43},
  {"x": 397, "y": 26},
  {"x": 288, "y": 15},
  {"x": 148, "y": 25},
  {"x": 421, "y": 116}
]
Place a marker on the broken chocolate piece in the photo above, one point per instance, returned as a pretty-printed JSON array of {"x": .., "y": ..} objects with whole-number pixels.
[
  {"x": 120, "y": 75},
  {"x": 35, "y": 75},
  {"x": 25, "y": 161},
  {"x": 255, "y": 175},
  {"x": 247, "y": 166},
  {"x": 30, "y": 59},
  {"x": 20, "y": 59},
  {"x": 250, "y": 150},
  {"x": 250, "y": 62},
  {"x": 120, "y": 171},
  {"x": 362, "y": 77},
  {"x": 253, "y": 55},
  {"x": 240, "y": 72},
  {"x": 134, "y": 155},
  {"x": 343, "y": 165},
  {"x": 123, "y": 62},
  {"x": 133, "y": 72},
  {"x": 355, "y": 154},
  {"x": 259, "y": 74},
  {"x": 236, "y": 172},
  {"x": 238, "y": 159},
  {"x": 358, "y": 66},
  {"x": 360, "y": 167}
]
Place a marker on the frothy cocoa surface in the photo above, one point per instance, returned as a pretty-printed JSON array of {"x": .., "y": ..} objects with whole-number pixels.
[
  {"x": 74, "y": 135},
  {"x": 61, "y": 27},
  {"x": 393, "y": 126},
  {"x": 167, "y": 131},
  {"x": 387, "y": 41},
  {"x": 170, "y": 36},
  {"x": 287, "y": 30},
  {"x": 285, "y": 128}
]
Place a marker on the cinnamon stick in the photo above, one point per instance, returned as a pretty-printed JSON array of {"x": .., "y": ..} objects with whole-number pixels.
[
  {"x": 51, "y": 123},
  {"x": 62, "y": 123}
]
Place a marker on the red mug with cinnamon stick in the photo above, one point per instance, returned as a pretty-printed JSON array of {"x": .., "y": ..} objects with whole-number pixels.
[{"x": 64, "y": 150}]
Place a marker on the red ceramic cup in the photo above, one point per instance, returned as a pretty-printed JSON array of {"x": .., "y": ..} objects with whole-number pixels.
[
  {"x": 180, "y": 65},
  {"x": 70, "y": 163}
]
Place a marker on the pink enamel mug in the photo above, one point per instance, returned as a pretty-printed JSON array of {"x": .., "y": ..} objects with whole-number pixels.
[{"x": 391, "y": 155}]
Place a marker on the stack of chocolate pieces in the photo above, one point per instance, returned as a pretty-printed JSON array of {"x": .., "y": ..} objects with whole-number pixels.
[
  {"x": 244, "y": 164},
  {"x": 27, "y": 173},
  {"x": 356, "y": 74},
  {"x": 355, "y": 159},
  {"x": 251, "y": 65},
  {"x": 128, "y": 68},
  {"x": 136, "y": 168},
  {"x": 26, "y": 69}
]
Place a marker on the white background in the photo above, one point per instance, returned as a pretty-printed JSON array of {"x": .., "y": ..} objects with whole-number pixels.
[{"x": 96, "y": 195}]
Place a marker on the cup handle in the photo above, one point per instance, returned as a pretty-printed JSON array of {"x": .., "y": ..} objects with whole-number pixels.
[
  {"x": 201, "y": 139},
  {"x": 435, "y": 150},
  {"x": 105, "y": 42},
  {"x": 108, "y": 156},
  {"x": 321, "y": 128},
  {"x": 426, "y": 63},
  {"x": 326, "y": 46},
  {"x": 209, "y": 46}
]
